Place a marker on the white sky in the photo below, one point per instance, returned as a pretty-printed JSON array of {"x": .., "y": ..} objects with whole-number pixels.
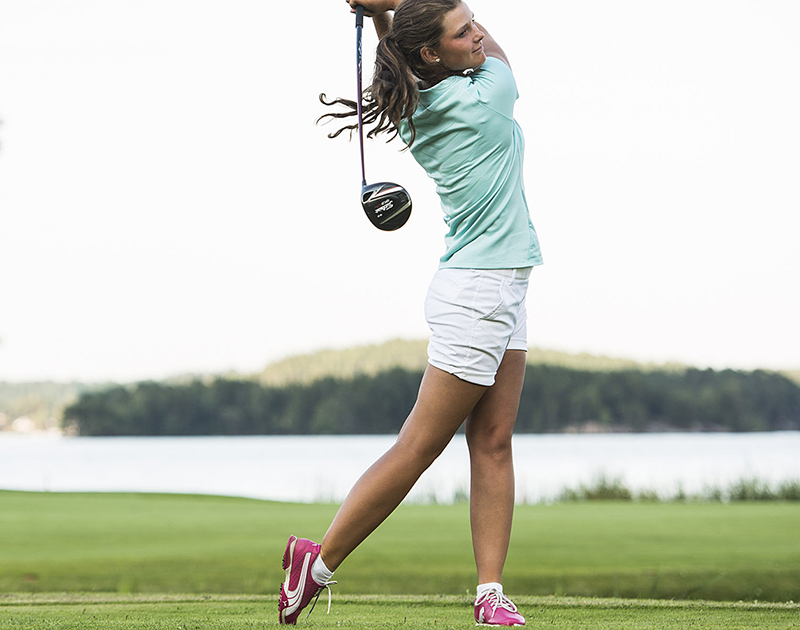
[{"x": 167, "y": 204}]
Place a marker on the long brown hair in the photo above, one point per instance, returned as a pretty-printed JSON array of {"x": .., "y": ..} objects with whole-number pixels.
[{"x": 393, "y": 95}]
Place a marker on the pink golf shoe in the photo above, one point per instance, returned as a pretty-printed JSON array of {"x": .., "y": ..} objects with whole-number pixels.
[
  {"x": 495, "y": 609},
  {"x": 299, "y": 588}
]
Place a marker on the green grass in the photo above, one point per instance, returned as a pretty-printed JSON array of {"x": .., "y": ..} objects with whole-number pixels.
[
  {"x": 89, "y": 612},
  {"x": 166, "y": 544}
]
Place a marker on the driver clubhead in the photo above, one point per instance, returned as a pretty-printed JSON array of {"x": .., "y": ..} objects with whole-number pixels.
[{"x": 387, "y": 205}]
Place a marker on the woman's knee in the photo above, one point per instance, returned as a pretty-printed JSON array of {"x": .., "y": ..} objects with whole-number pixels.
[
  {"x": 493, "y": 441},
  {"x": 418, "y": 453}
]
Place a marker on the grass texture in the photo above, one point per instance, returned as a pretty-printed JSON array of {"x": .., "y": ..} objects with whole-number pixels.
[
  {"x": 90, "y": 612},
  {"x": 171, "y": 544}
]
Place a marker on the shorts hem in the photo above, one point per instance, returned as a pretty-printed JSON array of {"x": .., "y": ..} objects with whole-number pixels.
[{"x": 476, "y": 378}]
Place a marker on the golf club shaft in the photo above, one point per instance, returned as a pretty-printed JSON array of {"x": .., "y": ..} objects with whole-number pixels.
[{"x": 359, "y": 30}]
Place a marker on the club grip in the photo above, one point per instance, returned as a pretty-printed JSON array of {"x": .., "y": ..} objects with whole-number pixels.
[{"x": 359, "y": 15}]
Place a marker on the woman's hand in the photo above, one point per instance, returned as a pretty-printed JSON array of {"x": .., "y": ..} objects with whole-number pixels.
[{"x": 373, "y": 7}]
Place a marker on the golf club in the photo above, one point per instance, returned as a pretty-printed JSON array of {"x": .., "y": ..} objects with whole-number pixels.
[{"x": 387, "y": 205}]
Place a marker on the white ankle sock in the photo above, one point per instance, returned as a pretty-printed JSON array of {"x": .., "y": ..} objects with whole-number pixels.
[
  {"x": 320, "y": 572},
  {"x": 489, "y": 586}
]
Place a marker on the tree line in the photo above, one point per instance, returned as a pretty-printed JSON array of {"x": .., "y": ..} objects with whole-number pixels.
[{"x": 554, "y": 399}]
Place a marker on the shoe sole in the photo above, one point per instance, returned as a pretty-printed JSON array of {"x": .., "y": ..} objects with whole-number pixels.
[
  {"x": 288, "y": 557},
  {"x": 499, "y": 625}
]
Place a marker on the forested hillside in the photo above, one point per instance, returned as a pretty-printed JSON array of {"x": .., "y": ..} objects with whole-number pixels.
[
  {"x": 42, "y": 402},
  {"x": 554, "y": 399},
  {"x": 412, "y": 355},
  {"x": 370, "y": 389}
]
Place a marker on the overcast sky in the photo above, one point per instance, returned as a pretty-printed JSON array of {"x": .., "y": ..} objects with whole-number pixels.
[{"x": 167, "y": 204}]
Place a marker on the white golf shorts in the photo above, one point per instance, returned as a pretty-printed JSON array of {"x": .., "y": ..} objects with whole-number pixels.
[{"x": 475, "y": 315}]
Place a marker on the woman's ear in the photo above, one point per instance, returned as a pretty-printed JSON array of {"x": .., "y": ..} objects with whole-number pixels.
[{"x": 429, "y": 55}]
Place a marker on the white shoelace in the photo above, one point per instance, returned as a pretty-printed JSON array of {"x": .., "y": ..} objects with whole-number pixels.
[
  {"x": 327, "y": 586},
  {"x": 496, "y": 600}
]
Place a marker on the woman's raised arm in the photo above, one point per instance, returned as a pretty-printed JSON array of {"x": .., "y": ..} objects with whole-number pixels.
[
  {"x": 378, "y": 10},
  {"x": 491, "y": 47}
]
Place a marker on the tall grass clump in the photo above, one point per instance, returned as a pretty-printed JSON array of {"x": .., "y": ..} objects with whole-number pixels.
[
  {"x": 751, "y": 490},
  {"x": 789, "y": 490},
  {"x": 756, "y": 490},
  {"x": 605, "y": 489}
]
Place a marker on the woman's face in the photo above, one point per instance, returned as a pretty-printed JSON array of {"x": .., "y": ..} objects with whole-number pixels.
[{"x": 461, "y": 46}]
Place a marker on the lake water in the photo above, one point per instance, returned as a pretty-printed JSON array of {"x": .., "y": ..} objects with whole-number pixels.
[{"x": 264, "y": 467}]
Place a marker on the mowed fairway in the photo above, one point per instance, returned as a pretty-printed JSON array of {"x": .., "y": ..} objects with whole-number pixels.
[
  {"x": 172, "y": 544},
  {"x": 96, "y": 612}
]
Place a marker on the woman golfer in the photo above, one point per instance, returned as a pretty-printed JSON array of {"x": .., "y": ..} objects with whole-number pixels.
[{"x": 446, "y": 87}]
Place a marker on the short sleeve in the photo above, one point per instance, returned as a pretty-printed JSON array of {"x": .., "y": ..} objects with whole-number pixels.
[{"x": 493, "y": 84}]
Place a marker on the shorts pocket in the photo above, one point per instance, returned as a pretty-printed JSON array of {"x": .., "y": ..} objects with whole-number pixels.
[
  {"x": 491, "y": 314},
  {"x": 489, "y": 296}
]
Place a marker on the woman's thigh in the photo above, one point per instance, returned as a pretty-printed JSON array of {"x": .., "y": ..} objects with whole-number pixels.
[
  {"x": 495, "y": 414},
  {"x": 443, "y": 403}
]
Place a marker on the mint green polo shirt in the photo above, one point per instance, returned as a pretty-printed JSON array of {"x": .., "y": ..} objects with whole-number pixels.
[{"x": 470, "y": 145}]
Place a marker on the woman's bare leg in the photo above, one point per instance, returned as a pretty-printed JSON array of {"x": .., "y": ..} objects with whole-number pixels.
[
  {"x": 444, "y": 401},
  {"x": 489, "y": 429}
]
